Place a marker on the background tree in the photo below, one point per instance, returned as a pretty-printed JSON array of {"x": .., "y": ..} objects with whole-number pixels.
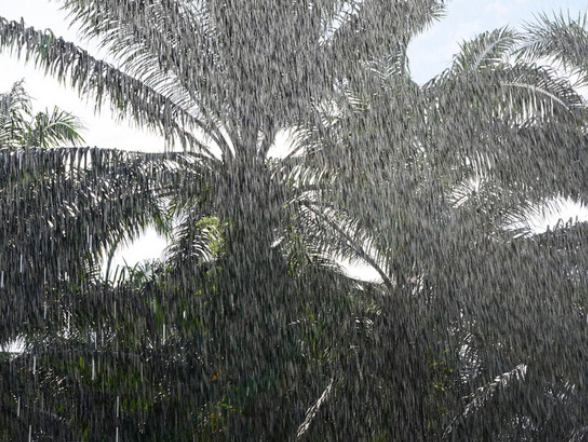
[
  {"x": 480, "y": 307},
  {"x": 61, "y": 209},
  {"x": 20, "y": 128}
]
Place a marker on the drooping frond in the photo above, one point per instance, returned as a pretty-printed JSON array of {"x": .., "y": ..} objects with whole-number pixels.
[
  {"x": 169, "y": 45},
  {"x": 533, "y": 218},
  {"x": 515, "y": 109},
  {"x": 88, "y": 75},
  {"x": 543, "y": 86},
  {"x": 340, "y": 236},
  {"x": 483, "y": 394},
  {"x": 361, "y": 31},
  {"x": 63, "y": 209}
]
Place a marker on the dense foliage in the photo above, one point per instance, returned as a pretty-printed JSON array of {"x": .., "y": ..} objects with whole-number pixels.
[{"x": 249, "y": 329}]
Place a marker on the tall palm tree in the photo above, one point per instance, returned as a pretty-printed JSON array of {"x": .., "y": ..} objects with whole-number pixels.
[{"x": 222, "y": 78}]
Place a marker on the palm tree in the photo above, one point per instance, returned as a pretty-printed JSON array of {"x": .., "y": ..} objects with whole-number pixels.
[
  {"x": 543, "y": 161},
  {"x": 204, "y": 75},
  {"x": 243, "y": 320},
  {"x": 20, "y": 128},
  {"x": 480, "y": 308},
  {"x": 504, "y": 134},
  {"x": 525, "y": 132}
]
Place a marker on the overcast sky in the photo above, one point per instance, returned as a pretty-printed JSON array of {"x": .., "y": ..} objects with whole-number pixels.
[{"x": 429, "y": 54}]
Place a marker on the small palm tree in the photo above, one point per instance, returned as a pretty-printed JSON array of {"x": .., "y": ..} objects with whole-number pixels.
[{"x": 20, "y": 128}]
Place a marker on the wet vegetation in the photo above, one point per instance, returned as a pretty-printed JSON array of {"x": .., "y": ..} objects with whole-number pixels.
[{"x": 249, "y": 329}]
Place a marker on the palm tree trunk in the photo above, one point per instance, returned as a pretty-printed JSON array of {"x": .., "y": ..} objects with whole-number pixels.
[{"x": 252, "y": 336}]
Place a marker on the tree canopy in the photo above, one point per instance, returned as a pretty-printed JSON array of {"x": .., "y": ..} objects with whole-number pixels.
[{"x": 249, "y": 329}]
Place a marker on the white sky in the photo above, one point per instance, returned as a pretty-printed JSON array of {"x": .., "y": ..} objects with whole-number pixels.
[{"x": 429, "y": 54}]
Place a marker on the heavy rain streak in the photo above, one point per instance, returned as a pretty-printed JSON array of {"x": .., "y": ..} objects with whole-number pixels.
[{"x": 297, "y": 146}]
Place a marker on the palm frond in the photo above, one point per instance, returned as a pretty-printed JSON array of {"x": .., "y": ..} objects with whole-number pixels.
[
  {"x": 483, "y": 394},
  {"x": 313, "y": 410},
  {"x": 340, "y": 236},
  {"x": 360, "y": 29},
  {"x": 534, "y": 218},
  {"x": 88, "y": 75},
  {"x": 162, "y": 57},
  {"x": 486, "y": 51},
  {"x": 15, "y": 111},
  {"x": 545, "y": 90},
  {"x": 197, "y": 239},
  {"x": 54, "y": 128},
  {"x": 561, "y": 39}
]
